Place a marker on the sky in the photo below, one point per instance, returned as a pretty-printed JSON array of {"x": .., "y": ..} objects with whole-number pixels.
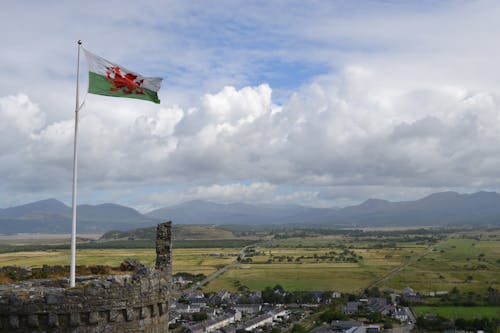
[{"x": 316, "y": 103}]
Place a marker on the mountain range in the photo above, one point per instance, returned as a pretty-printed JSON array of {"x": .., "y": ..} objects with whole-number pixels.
[
  {"x": 53, "y": 216},
  {"x": 438, "y": 209}
]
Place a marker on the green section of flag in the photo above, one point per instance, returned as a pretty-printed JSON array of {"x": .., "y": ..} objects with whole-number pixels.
[{"x": 100, "y": 85}]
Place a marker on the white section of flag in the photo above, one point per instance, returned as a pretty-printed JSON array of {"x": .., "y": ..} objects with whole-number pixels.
[{"x": 99, "y": 65}]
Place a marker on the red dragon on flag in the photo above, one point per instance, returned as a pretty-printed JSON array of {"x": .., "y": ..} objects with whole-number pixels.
[
  {"x": 109, "y": 79},
  {"x": 127, "y": 83}
]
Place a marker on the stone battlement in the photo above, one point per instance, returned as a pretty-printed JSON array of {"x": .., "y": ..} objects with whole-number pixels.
[{"x": 117, "y": 303}]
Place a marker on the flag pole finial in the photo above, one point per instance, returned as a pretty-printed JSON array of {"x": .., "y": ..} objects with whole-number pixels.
[{"x": 79, "y": 42}]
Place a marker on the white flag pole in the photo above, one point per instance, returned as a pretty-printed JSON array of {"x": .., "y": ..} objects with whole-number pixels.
[{"x": 75, "y": 174}]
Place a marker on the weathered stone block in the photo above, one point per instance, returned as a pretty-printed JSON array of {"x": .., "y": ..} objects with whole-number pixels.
[
  {"x": 144, "y": 312},
  {"x": 74, "y": 292},
  {"x": 92, "y": 291},
  {"x": 15, "y": 301},
  {"x": 13, "y": 321},
  {"x": 33, "y": 320},
  {"x": 53, "y": 320},
  {"x": 54, "y": 298},
  {"x": 162, "y": 308},
  {"x": 129, "y": 314},
  {"x": 115, "y": 316},
  {"x": 94, "y": 317},
  {"x": 74, "y": 319}
]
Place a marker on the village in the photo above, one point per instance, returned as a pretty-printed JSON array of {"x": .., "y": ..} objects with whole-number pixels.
[{"x": 276, "y": 310}]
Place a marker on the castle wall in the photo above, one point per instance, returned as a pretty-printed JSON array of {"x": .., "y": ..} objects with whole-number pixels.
[{"x": 119, "y": 303}]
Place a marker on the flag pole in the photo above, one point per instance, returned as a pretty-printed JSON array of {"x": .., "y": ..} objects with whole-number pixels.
[{"x": 75, "y": 174}]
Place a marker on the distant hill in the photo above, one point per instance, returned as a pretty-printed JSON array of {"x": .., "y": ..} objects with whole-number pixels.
[
  {"x": 438, "y": 209},
  {"x": 52, "y": 216},
  {"x": 179, "y": 232},
  {"x": 205, "y": 212}
]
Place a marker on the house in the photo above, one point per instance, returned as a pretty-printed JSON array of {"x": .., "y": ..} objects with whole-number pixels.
[
  {"x": 185, "y": 308},
  {"x": 400, "y": 314},
  {"x": 262, "y": 320},
  {"x": 228, "y": 329},
  {"x": 212, "y": 325},
  {"x": 195, "y": 294},
  {"x": 179, "y": 279},
  {"x": 350, "y": 308},
  {"x": 408, "y": 291},
  {"x": 173, "y": 316},
  {"x": 279, "y": 314},
  {"x": 317, "y": 295},
  {"x": 342, "y": 326},
  {"x": 247, "y": 308},
  {"x": 255, "y": 297},
  {"x": 192, "y": 308},
  {"x": 376, "y": 304},
  {"x": 198, "y": 301},
  {"x": 372, "y": 329},
  {"x": 336, "y": 294},
  {"x": 322, "y": 329},
  {"x": 222, "y": 295}
]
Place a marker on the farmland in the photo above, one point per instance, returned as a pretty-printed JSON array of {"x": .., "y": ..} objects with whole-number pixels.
[
  {"x": 347, "y": 261},
  {"x": 188, "y": 260},
  {"x": 454, "y": 312}
]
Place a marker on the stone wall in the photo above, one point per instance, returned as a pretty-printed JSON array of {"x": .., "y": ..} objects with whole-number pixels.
[{"x": 119, "y": 303}]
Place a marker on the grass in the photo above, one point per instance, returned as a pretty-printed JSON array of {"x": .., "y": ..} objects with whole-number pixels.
[
  {"x": 469, "y": 261},
  {"x": 184, "y": 260},
  {"x": 312, "y": 274},
  {"x": 454, "y": 312},
  {"x": 467, "y": 264},
  {"x": 294, "y": 277}
]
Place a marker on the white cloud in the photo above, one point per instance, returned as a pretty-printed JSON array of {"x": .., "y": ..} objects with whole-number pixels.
[
  {"x": 332, "y": 133},
  {"x": 410, "y": 102}
]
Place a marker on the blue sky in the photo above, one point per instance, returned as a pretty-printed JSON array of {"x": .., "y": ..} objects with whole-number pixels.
[{"x": 322, "y": 103}]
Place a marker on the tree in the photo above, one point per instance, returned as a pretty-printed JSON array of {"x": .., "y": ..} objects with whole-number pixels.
[
  {"x": 200, "y": 316},
  {"x": 298, "y": 329},
  {"x": 331, "y": 315},
  {"x": 388, "y": 324},
  {"x": 373, "y": 292}
]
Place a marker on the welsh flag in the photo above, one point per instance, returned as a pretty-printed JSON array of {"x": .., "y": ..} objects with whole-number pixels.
[{"x": 109, "y": 79}]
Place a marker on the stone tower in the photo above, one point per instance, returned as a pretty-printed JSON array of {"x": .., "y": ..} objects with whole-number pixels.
[{"x": 164, "y": 248}]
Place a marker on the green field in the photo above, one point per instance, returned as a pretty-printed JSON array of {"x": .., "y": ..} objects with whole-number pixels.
[
  {"x": 311, "y": 273},
  {"x": 468, "y": 260},
  {"x": 467, "y": 264},
  {"x": 454, "y": 312}
]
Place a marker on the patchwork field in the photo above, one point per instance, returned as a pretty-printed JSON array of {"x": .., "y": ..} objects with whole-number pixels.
[
  {"x": 453, "y": 312},
  {"x": 468, "y": 260},
  {"x": 299, "y": 269},
  {"x": 196, "y": 261},
  {"x": 468, "y": 264}
]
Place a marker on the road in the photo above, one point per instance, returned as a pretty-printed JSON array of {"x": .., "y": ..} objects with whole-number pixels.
[
  {"x": 398, "y": 269},
  {"x": 217, "y": 273}
]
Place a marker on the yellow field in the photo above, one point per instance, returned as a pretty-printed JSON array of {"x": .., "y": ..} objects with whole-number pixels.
[
  {"x": 184, "y": 260},
  {"x": 468, "y": 262}
]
